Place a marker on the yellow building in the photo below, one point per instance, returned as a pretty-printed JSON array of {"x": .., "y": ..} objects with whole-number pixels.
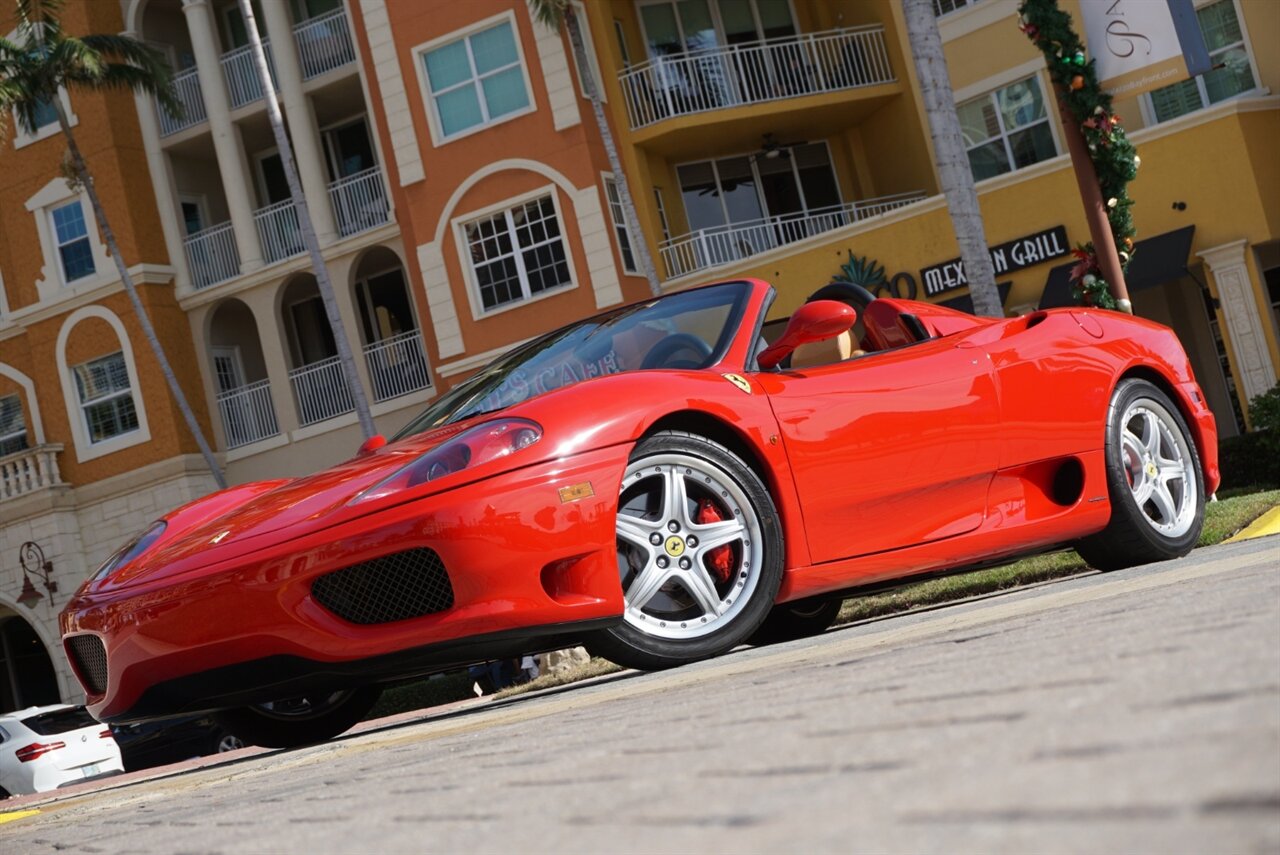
[{"x": 772, "y": 138}]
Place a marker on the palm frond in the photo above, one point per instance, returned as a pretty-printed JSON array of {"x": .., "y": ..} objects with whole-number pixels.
[
  {"x": 39, "y": 21},
  {"x": 549, "y": 13},
  {"x": 73, "y": 55}
]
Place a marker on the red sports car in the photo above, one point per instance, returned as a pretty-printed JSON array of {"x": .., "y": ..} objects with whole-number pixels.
[{"x": 661, "y": 484}]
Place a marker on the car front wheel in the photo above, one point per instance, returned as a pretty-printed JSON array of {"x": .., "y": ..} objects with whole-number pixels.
[
  {"x": 699, "y": 553},
  {"x": 299, "y": 721},
  {"x": 1153, "y": 480}
]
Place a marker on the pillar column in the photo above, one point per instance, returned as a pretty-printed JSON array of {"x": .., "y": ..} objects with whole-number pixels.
[
  {"x": 304, "y": 135},
  {"x": 226, "y": 136},
  {"x": 271, "y": 336},
  {"x": 166, "y": 189},
  {"x": 1242, "y": 315}
]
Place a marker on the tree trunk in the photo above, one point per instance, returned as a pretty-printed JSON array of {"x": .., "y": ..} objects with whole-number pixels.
[
  {"x": 638, "y": 244},
  {"x": 953, "y": 160},
  {"x": 82, "y": 173},
  {"x": 325, "y": 285}
]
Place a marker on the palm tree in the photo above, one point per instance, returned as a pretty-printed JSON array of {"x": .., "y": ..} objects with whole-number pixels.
[
  {"x": 40, "y": 61},
  {"x": 560, "y": 15},
  {"x": 308, "y": 229},
  {"x": 952, "y": 159}
]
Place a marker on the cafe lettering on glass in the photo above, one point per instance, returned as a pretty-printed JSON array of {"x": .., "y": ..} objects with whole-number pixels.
[
  {"x": 521, "y": 385},
  {"x": 1005, "y": 258}
]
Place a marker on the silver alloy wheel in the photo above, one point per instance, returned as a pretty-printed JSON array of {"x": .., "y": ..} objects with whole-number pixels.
[
  {"x": 1159, "y": 467},
  {"x": 229, "y": 743},
  {"x": 663, "y": 551},
  {"x": 304, "y": 707}
]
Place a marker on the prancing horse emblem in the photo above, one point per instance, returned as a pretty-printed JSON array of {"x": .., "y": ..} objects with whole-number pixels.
[{"x": 738, "y": 381}]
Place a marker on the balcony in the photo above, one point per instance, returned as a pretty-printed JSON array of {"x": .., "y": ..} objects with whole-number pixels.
[
  {"x": 29, "y": 470},
  {"x": 324, "y": 44},
  {"x": 278, "y": 231},
  {"x": 713, "y": 247},
  {"x": 247, "y": 414},
  {"x": 755, "y": 73},
  {"x": 320, "y": 390},
  {"x": 212, "y": 256},
  {"x": 242, "y": 76},
  {"x": 397, "y": 366},
  {"x": 186, "y": 86},
  {"x": 359, "y": 201}
]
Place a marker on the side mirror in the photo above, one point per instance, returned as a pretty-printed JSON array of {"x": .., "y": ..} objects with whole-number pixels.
[
  {"x": 816, "y": 321},
  {"x": 370, "y": 445}
]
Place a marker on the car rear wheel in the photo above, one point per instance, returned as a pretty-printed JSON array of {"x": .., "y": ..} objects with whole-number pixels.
[
  {"x": 1153, "y": 479},
  {"x": 790, "y": 621},
  {"x": 299, "y": 721},
  {"x": 699, "y": 553}
]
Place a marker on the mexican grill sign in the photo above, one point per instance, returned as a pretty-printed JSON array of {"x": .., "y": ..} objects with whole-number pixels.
[{"x": 1005, "y": 258}]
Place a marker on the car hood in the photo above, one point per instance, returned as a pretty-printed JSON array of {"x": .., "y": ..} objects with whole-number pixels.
[{"x": 231, "y": 522}]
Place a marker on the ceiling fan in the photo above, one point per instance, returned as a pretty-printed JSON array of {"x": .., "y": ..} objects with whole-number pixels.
[{"x": 772, "y": 149}]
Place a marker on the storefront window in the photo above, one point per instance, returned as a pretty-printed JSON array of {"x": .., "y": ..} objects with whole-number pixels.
[
  {"x": 1232, "y": 72},
  {"x": 1007, "y": 129}
]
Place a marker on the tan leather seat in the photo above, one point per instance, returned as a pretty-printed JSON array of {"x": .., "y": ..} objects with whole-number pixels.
[{"x": 831, "y": 350}]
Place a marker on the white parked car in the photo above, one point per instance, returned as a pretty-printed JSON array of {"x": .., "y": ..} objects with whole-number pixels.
[{"x": 43, "y": 748}]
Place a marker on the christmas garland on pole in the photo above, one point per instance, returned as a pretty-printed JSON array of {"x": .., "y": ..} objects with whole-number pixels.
[{"x": 1115, "y": 161}]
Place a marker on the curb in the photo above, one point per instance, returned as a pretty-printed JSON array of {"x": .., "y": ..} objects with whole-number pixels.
[{"x": 1268, "y": 523}]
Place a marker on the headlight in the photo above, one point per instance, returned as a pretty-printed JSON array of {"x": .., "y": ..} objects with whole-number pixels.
[
  {"x": 131, "y": 550},
  {"x": 472, "y": 447}
]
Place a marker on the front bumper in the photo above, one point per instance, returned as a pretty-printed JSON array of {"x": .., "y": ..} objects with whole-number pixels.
[{"x": 531, "y": 568}]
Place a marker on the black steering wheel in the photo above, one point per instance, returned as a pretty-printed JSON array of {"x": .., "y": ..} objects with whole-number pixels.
[{"x": 664, "y": 353}]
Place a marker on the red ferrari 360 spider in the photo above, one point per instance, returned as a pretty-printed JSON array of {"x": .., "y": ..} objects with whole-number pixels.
[{"x": 661, "y": 484}]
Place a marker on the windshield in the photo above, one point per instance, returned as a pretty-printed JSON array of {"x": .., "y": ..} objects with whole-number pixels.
[{"x": 689, "y": 330}]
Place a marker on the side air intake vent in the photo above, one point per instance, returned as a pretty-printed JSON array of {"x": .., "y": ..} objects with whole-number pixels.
[
  {"x": 394, "y": 587},
  {"x": 89, "y": 656}
]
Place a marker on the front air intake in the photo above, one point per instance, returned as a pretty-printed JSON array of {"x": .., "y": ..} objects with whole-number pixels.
[
  {"x": 88, "y": 656},
  {"x": 394, "y": 587}
]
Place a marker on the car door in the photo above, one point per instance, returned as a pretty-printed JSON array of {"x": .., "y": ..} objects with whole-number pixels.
[{"x": 890, "y": 449}]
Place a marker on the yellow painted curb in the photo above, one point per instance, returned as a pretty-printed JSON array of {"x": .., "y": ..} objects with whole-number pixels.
[
  {"x": 1268, "y": 523},
  {"x": 17, "y": 814}
]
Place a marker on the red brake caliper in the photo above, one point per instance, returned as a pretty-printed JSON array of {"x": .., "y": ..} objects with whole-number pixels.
[{"x": 719, "y": 559}]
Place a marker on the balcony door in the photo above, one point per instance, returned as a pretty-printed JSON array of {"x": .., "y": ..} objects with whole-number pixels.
[
  {"x": 686, "y": 26},
  {"x": 749, "y": 203}
]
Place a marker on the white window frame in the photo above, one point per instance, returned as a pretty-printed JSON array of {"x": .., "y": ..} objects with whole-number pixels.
[
  {"x": 623, "y": 51},
  {"x": 420, "y": 52},
  {"x": 102, "y": 399},
  {"x": 24, "y": 432},
  {"x": 1148, "y": 107},
  {"x": 989, "y": 87},
  {"x": 22, "y": 139},
  {"x": 459, "y": 223},
  {"x": 85, "y": 449},
  {"x": 662, "y": 213},
  {"x": 57, "y": 246},
  {"x": 52, "y": 285},
  {"x": 621, "y": 227}
]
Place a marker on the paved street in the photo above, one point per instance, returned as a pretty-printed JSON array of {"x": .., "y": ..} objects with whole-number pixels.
[{"x": 1133, "y": 712}]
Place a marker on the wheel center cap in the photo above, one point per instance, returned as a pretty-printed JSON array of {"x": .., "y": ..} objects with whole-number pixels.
[
  {"x": 674, "y": 546},
  {"x": 1152, "y": 471}
]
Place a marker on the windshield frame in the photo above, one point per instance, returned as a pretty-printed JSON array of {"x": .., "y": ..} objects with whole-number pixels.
[{"x": 451, "y": 407}]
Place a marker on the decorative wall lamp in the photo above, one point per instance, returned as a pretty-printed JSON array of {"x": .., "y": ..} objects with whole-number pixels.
[{"x": 33, "y": 562}]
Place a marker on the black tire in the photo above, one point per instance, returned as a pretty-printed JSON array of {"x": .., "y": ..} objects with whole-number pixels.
[
  {"x": 790, "y": 621},
  {"x": 688, "y": 599},
  {"x": 299, "y": 721},
  {"x": 1147, "y": 437}
]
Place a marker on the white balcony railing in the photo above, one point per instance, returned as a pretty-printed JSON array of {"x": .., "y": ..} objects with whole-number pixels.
[
  {"x": 212, "y": 256},
  {"x": 278, "y": 231},
  {"x": 755, "y": 72},
  {"x": 186, "y": 86},
  {"x": 242, "y": 75},
  {"x": 247, "y": 414},
  {"x": 359, "y": 201},
  {"x": 397, "y": 365},
  {"x": 726, "y": 244},
  {"x": 29, "y": 470},
  {"x": 324, "y": 43},
  {"x": 320, "y": 390}
]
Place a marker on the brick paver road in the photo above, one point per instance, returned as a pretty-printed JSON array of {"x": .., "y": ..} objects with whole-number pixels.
[{"x": 1133, "y": 712}]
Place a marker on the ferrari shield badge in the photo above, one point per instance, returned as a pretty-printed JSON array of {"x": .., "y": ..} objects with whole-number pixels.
[
  {"x": 575, "y": 492},
  {"x": 738, "y": 381}
]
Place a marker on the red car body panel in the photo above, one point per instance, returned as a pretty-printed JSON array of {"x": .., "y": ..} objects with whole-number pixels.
[{"x": 938, "y": 454}]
